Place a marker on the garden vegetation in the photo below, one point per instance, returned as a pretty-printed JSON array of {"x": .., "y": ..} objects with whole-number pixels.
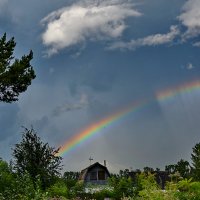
[{"x": 34, "y": 173}]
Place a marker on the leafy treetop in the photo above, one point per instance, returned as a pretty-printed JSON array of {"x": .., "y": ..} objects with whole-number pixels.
[
  {"x": 36, "y": 158},
  {"x": 15, "y": 74}
]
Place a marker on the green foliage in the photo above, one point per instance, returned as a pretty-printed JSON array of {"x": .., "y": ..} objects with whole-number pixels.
[
  {"x": 122, "y": 187},
  {"x": 195, "y": 157},
  {"x": 78, "y": 190},
  {"x": 15, "y": 75},
  {"x": 70, "y": 179},
  {"x": 170, "y": 168},
  {"x": 6, "y": 176},
  {"x": 124, "y": 173},
  {"x": 188, "y": 190},
  {"x": 71, "y": 175},
  {"x": 147, "y": 181},
  {"x": 57, "y": 190},
  {"x": 37, "y": 159},
  {"x": 179, "y": 170},
  {"x": 183, "y": 167},
  {"x": 148, "y": 169},
  {"x": 22, "y": 188},
  {"x": 150, "y": 189},
  {"x": 104, "y": 193},
  {"x": 184, "y": 185}
]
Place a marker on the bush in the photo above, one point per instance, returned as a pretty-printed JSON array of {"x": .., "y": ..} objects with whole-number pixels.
[
  {"x": 59, "y": 189},
  {"x": 78, "y": 190},
  {"x": 122, "y": 187},
  {"x": 188, "y": 190},
  {"x": 101, "y": 195}
]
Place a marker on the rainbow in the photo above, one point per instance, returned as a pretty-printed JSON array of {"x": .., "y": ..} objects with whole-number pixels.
[
  {"x": 96, "y": 127},
  {"x": 181, "y": 89}
]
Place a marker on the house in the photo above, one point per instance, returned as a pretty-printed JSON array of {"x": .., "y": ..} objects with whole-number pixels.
[{"x": 95, "y": 174}]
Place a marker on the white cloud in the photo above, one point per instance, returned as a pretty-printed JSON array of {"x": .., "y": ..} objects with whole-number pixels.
[
  {"x": 191, "y": 18},
  {"x": 89, "y": 20},
  {"x": 152, "y": 40},
  {"x": 190, "y": 66},
  {"x": 196, "y": 44}
]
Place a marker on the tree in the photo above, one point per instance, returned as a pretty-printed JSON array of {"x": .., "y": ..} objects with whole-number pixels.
[
  {"x": 183, "y": 167},
  {"x": 70, "y": 175},
  {"x": 6, "y": 177},
  {"x": 124, "y": 173},
  {"x": 122, "y": 187},
  {"x": 195, "y": 157},
  {"x": 15, "y": 75},
  {"x": 70, "y": 178},
  {"x": 148, "y": 169},
  {"x": 170, "y": 168},
  {"x": 36, "y": 158}
]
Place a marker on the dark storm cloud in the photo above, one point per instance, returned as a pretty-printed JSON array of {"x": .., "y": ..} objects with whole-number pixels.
[
  {"x": 8, "y": 120},
  {"x": 82, "y": 103},
  {"x": 40, "y": 124}
]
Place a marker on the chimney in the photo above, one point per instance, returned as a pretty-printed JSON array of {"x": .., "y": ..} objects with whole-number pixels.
[{"x": 104, "y": 163}]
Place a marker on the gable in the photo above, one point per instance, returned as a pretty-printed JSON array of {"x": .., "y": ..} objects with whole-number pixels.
[{"x": 95, "y": 172}]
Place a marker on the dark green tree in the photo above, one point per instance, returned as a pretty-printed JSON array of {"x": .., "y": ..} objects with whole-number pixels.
[
  {"x": 148, "y": 169},
  {"x": 170, "y": 168},
  {"x": 36, "y": 158},
  {"x": 183, "y": 167},
  {"x": 70, "y": 175},
  {"x": 124, "y": 173},
  {"x": 15, "y": 74},
  {"x": 195, "y": 157},
  {"x": 70, "y": 178}
]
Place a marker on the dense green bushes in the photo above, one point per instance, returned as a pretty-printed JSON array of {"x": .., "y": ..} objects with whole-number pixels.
[{"x": 59, "y": 189}]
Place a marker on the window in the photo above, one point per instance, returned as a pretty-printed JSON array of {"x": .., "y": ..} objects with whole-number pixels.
[
  {"x": 93, "y": 176},
  {"x": 101, "y": 175}
]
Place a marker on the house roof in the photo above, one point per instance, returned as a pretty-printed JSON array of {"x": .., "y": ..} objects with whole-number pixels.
[{"x": 86, "y": 170}]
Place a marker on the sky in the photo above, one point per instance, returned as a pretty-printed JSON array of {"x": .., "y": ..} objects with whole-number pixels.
[{"x": 92, "y": 59}]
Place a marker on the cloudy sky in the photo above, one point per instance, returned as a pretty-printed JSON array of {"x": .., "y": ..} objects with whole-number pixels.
[{"x": 93, "y": 58}]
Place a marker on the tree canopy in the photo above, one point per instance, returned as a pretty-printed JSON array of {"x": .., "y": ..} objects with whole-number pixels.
[
  {"x": 15, "y": 74},
  {"x": 195, "y": 157},
  {"x": 36, "y": 158}
]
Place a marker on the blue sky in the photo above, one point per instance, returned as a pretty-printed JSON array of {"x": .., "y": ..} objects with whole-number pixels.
[{"x": 92, "y": 58}]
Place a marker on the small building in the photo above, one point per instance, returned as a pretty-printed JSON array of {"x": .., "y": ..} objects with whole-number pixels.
[{"x": 95, "y": 174}]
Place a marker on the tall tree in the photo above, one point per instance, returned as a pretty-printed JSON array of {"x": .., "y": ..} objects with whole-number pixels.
[
  {"x": 36, "y": 158},
  {"x": 195, "y": 157},
  {"x": 15, "y": 74},
  {"x": 183, "y": 167}
]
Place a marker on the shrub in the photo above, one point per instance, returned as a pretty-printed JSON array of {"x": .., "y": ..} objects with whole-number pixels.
[{"x": 59, "y": 189}]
